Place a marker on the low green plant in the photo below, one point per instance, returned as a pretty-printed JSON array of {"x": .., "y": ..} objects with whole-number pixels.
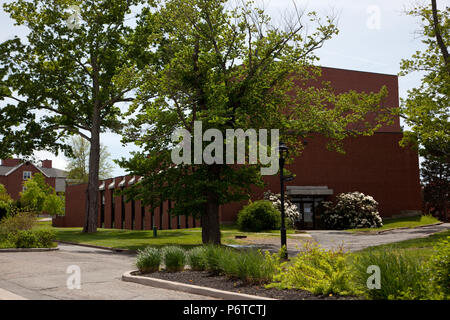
[
  {"x": 258, "y": 216},
  {"x": 19, "y": 221},
  {"x": 439, "y": 266},
  {"x": 316, "y": 270},
  {"x": 149, "y": 260},
  {"x": 196, "y": 258},
  {"x": 254, "y": 267},
  {"x": 213, "y": 257},
  {"x": 402, "y": 276},
  {"x": 174, "y": 258},
  {"x": 45, "y": 238},
  {"x": 24, "y": 239}
]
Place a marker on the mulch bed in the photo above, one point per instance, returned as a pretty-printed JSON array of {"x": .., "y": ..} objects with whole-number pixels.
[{"x": 206, "y": 279}]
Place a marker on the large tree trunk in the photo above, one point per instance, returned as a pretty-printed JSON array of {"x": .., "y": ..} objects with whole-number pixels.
[
  {"x": 210, "y": 218},
  {"x": 90, "y": 224}
]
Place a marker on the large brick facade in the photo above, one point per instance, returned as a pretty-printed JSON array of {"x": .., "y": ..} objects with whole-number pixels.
[{"x": 375, "y": 165}]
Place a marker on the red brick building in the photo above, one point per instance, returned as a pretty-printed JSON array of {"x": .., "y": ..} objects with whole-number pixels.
[
  {"x": 375, "y": 165},
  {"x": 13, "y": 172}
]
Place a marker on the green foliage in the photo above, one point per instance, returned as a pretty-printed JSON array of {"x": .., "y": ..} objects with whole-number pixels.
[
  {"x": 174, "y": 258},
  {"x": 213, "y": 255},
  {"x": 316, "y": 270},
  {"x": 78, "y": 161},
  {"x": 435, "y": 173},
  {"x": 250, "y": 266},
  {"x": 352, "y": 210},
  {"x": 402, "y": 276},
  {"x": 259, "y": 215},
  {"x": 54, "y": 204},
  {"x": 196, "y": 258},
  {"x": 425, "y": 110},
  {"x": 42, "y": 197},
  {"x": 439, "y": 265},
  {"x": 5, "y": 202},
  {"x": 31, "y": 239},
  {"x": 149, "y": 259},
  {"x": 17, "y": 222},
  {"x": 45, "y": 238}
]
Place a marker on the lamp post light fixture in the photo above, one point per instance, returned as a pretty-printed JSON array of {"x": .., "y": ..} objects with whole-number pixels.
[{"x": 284, "y": 151}]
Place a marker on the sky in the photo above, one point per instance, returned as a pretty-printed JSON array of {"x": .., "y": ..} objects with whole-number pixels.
[{"x": 374, "y": 35}]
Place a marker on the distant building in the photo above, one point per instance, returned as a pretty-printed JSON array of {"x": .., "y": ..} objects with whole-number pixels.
[{"x": 13, "y": 172}]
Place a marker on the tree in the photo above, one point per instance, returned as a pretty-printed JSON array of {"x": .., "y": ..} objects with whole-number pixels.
[
  {"x": 41, "y": 197},
  {"x": 435, "y": 174},
  {"x": 426, "y": 109},
  {"x": 62, "y": 80},
  {"x": 78, "y": 159},
  {"x": 231, "y": 68}
]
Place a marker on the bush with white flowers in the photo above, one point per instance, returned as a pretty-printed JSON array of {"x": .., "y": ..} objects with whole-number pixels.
[
  {"x": 352, "y": 210},
  {"x": 290, "y": 209}
]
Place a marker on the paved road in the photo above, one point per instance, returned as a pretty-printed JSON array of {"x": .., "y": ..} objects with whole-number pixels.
[
  {"x": 42, "y": 276},
  {"x": 330, "y": 239}
]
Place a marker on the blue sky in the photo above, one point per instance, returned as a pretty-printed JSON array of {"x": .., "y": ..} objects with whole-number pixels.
[{"x": 373, "y": 36}]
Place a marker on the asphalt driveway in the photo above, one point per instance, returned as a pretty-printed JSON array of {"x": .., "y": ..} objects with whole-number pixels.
[
  {"x": 331, "y": 239},
  {"x": 42, "y": 276}
]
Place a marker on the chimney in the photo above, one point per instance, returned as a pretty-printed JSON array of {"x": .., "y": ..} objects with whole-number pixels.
[
  {"x": 46, "y": 163},
  {"x": 10, "y": 162}
]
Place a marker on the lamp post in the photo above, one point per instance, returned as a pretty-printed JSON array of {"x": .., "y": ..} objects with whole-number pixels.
[{"x": 283, "y": 150}]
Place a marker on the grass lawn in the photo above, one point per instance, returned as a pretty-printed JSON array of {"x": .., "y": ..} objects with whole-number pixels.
[
  {"x": 420, "y": 248},
  {"x": 408, "y": 222},
  {"x": 137, "y": 239}
]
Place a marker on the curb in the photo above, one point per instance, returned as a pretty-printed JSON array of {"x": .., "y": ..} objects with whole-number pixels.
[
  {"x": 28, "y": 249},
  {"x": 189, "y": 288},
  {"x": 118, "y": 250}
]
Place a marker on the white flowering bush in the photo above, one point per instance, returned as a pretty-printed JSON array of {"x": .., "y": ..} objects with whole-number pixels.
[
  {"x": 352, "y": 210},
  {"x": 290, "y": 209}
]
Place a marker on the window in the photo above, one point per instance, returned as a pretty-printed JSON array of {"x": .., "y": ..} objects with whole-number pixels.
[
  {"x": 24, "y": 188},
  {"x": 26, "y": 175}
]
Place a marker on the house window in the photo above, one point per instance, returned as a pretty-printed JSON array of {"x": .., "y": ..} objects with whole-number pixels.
[
  {"x": 24, "y": 188},
  {"x": 26, "y": 175}
]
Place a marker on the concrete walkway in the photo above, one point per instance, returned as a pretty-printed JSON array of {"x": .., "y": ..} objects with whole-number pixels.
[
  {"x": 42, "y": 276},
  {"x": 331, "y": 239}
]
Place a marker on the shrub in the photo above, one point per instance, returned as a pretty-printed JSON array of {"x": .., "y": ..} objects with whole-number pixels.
[
  {"x": 402, "y": 276},
  {"x": 196, "y": 258},
  {"x": 24, "y": 239},
  {"x": 174, "y": 258},
  {"x": 259, "y": 215},
  {"x": 316, "y": 270},
  {"x": 45, "y": 238},
  {"x": 148, "y": 260},
  {"x": 439, "y": 266},
  {"x": 352, "y": 210},
  {"x": 290, "y": 209},
  {"x": 5, "y": 202},
  {"x": 17, "y": 222}
]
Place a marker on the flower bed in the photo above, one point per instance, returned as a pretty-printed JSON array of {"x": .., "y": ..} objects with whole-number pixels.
[{"x": 210, "y": 280}]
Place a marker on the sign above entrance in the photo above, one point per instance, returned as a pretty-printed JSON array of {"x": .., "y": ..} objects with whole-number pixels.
[{"x": 309, "y": 190}]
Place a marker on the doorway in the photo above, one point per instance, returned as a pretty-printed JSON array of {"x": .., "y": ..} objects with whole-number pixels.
[{"x": 309, "y": 208}]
